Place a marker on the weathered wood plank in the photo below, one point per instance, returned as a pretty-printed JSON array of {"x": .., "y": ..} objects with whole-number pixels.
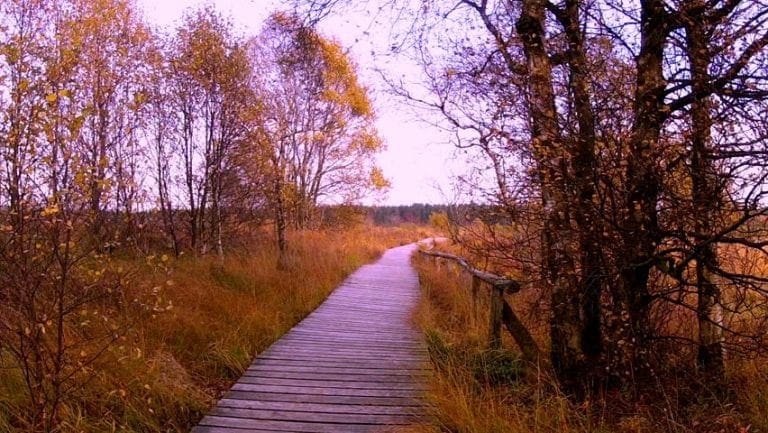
[
  {"x": 329, "y": 399},
  {"x": 318, "y": 331},
  {"x": 329, "y": 354},
  {"x": 342, "y": 344},
  {"x": 314, "y": 417},
  {"x": 211, "y": 429},
  {"x": 316, "y": 390},
  {"x": 346, "y": 376},
  {"x": 335, "y": 350},
  {"x": 320, "y": 407},
  {"x": 336, "y": 328},
  {"x": 287, "y": 426},
  {"x": 342, "y": 347},
  {"x": 352, "y": 341},
  {"x": 358, "y": 363},
  {"x": 325, "y": 383}
]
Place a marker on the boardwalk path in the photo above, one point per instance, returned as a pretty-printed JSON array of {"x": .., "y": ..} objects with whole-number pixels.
[{"x": 354, "y": 365}]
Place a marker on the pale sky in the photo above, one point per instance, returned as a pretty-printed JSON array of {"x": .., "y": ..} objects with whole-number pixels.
[{"x": 418, "y": 160}]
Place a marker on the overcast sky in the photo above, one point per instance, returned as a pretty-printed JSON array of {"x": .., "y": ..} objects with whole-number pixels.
[{"x": 418, "y": 160}]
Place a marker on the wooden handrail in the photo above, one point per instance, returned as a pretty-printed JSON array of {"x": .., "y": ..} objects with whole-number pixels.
[
  {"x": 508, "y": 285},
  {"x": 500, "y": 311}
]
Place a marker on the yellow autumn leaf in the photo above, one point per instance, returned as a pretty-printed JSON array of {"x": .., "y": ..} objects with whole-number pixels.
[
  {"x": 52, "y": 209},
  {"x": 378, "y": 180}
]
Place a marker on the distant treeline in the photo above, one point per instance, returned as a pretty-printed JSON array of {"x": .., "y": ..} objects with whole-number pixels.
[{"x": 417, "y": 213}]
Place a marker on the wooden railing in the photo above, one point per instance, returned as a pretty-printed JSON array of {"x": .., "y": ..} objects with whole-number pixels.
[{"x": 501, "y": 313}]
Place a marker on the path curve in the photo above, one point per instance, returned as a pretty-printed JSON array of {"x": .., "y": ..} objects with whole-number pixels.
[{"x": 355, "y": 364}]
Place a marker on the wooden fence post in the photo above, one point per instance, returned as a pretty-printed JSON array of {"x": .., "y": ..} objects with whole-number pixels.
[
  {"x": 520, "y": 334},
  {"x": 501, "y": 313},
  {"x": 475, "y": 292},
  {"x": 497, "y": 308}
]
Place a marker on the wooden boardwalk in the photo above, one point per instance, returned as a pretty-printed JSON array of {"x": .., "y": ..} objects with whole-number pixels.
[{"x": 354, "y": 365}]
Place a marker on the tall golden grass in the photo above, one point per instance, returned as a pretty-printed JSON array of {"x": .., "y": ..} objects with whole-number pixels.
[
  {"x": 480, "y": 391},
  {"x": 208, "y": 320}
]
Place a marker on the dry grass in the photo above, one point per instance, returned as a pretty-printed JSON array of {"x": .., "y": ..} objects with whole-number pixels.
[
  {"x": 207, "y": 322},
  {"x": 474, "y": 390}
]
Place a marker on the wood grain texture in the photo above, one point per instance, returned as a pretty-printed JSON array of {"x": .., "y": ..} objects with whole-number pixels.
[{"x": 354, "y": 365}]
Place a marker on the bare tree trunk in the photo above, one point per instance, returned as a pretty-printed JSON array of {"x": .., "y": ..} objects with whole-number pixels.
[
  {"x": 584, "y": 164},
  {"x": 166, "y": 207},
  {"x": 630, "y": 361},
  {"x": 99, "y": 159},
  {"x": 189, "y": 179},
  {"x": 217, "y": 223},
  {"x": 559, "y": 268},
  {"x": 219, "y": 243},
  {"x": 280, "y": 223},
  {"x": 705, "y": 195}
]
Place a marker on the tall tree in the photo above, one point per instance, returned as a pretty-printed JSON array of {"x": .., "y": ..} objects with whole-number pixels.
[
  {"x": 318, "y": 122},
  {"x": 211, "y": 74},
  {"x": 112, "y": 75},
  {"x": 706, "y": 196}
]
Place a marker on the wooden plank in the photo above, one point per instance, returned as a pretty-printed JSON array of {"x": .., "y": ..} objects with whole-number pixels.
[
  {"x": 339, "y": 355},
  {"x": 328, "y": 372},
  {"x": 359, "y": 310},
  {"x": 316, "y": 390},
  {"x": 352, "y": 309},
  {"x": 340, "y": 327},
  {"x": 342, "y": 343},
  {"x": 310, "y": 360},
  {"x": 324, "y": 383},
  {"x": 331, "y": 320},
  {"x": 408, "y": 334},
  {"x": 212, "y": 429},
  {"x": 342, "y": 349},
  {"x": 389, "y": 302},
  {"x": 288, "y": 426},
  {"x": 336, "y": 326},
  {"x": 383, "y": 359},
  {"x": 343, "y": 376},
  {"x": 351, "y": 338},
  {"x": 298, "y": 359},
  {"x": 375, "y": 298},
  {"x": 313, "y": 417},
  {"x": 319, "y": 407},
  {"x": 326, "y": 399}
]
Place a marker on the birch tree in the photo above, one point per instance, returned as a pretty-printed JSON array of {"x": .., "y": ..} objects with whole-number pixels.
[
  {"x": 318, "y": 122},
  {"x": 211, "y": 73}
]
